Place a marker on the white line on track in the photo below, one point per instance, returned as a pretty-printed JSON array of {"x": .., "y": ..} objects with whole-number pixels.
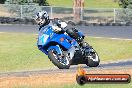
[
  {"x": 3, "y": 32},
  {"x": 112, "y": 38},
  {"x": 96, "y": 37}
]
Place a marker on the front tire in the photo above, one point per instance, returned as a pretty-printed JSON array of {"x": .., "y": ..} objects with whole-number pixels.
[{"x": 54, "y": 57}]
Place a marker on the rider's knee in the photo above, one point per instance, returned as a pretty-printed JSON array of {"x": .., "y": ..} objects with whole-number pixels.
[{"x": 74, "y": 34}]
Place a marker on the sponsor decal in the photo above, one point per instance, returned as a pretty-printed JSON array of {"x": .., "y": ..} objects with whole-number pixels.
[{"x": 83, "y": 77}]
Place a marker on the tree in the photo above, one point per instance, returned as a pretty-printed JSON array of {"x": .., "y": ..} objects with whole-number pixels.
[
  {"x": 43, "y": 2},
  {"x": 23, "y": 2},
  {"x": 125, "y": 3},
  {"x": 2, "y": 1},
  {"x": 125, "y": 14}
]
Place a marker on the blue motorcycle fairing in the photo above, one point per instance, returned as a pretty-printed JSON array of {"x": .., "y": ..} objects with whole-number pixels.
[
  {"x": 64, "y": 43},
  {"x": 43, "y": 50},
  {"x": 47, "y": 35},
  {"x": 57, "y": 48}
]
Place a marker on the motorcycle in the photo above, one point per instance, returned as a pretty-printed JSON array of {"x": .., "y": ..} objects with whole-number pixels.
[{"x": 65, "y": 51}]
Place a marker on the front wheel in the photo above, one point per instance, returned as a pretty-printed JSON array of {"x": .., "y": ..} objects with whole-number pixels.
[
  {"x": 62, "y": 62},
  {"x": 92, "y": 59}
]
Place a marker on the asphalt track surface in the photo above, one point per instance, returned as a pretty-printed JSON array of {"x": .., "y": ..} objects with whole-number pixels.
[
  {"x": 107, "y": 66},
  {"x": 124, "y": 32}
]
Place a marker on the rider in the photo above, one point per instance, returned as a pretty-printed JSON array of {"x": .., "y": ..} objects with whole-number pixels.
[{"x": 42, "y": 19}]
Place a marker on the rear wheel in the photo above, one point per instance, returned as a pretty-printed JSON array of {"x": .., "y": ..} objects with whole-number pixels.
[
  {"x": 92, "y": 59},
  {"x": 62, "y": 62}
]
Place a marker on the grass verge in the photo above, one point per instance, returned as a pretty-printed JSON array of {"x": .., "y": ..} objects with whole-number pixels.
[
  {"x": 88, "y": 3},
  {"x": 78, "y": 86},
  {"x": 110, "y": 49},
  {"x": 99, "y": 86},
  {"x": 18, "y": 52}
]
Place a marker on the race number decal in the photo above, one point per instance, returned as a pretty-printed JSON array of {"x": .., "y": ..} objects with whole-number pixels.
[{"x": 44, "y": 38}]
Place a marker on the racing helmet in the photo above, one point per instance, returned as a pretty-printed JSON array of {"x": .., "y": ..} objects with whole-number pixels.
[{"x": 42, "y": 18}]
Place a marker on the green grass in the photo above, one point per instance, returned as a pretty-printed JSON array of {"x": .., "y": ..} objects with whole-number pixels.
[
  {"x": 75, "y": 85},
  {"x": 88, "y": 3},
  {"x": 109, "y": 49},
  {"x": 99, "y": 86},
  {"x": 18, "y": 52}
]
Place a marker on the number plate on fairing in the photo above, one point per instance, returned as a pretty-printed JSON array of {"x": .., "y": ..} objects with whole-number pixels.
[{"x": 43, "y": 39}]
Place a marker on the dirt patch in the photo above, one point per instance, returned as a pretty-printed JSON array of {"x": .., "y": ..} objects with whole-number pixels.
[
  {"x": 47, "y": 79},
  {"x": 55, "y": 79}
]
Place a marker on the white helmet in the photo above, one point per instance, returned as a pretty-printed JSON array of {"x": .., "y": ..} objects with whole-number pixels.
[{"x": 42, "y": 18}]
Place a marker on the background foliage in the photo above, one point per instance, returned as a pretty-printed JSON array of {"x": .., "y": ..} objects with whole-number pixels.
[
  {"x": 126, "y": 13},
  {"x": 125, "y": 3},
  {"x": 2, "y": 1},
  {"x": 23, "y": 2}
]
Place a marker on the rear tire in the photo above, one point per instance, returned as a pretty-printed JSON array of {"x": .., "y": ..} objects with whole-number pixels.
[
  {"x": 93, "y": 61},
  {"x": 54, "y": 60}
]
